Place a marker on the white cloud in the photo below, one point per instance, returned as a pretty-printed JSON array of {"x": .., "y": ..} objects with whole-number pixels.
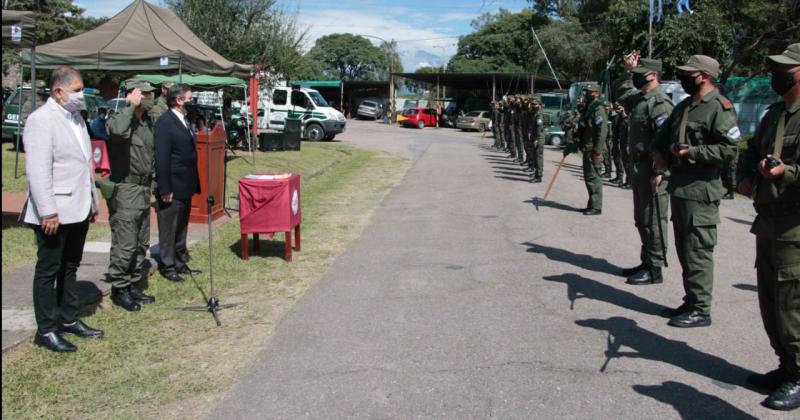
[{"x": 411, "y": 39}]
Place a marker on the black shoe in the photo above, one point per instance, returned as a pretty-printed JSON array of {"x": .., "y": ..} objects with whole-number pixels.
[
  {"x": 690, "y": 320},
  {"x": 537, "y": 179},
  {"x": 53, "y": 341},
  {"x": 646, "y": 276},
  {"x": 79, "y": 329},
  {"x": 728, "y": 196},
  {"x": 627, "y": 272},
  {"x": 139, "y": 296},
  {"x": 121, "y": 296},
  {"x": 785, "y": 398},
  {"x": 173, "y": 277},
  {"x": 673, "y": 312},
  {"x": 770, "y": 380},
  {"x": 189, "y": 271},
  {"x": 620, "y": 183},
  {"x": 626, "y": 186},
  {"x": 615, "y": 180},
  {"x": 592, "y": 212},
  {"x": 606, "y": 174}
]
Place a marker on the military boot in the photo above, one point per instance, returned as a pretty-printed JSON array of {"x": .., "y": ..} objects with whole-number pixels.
[
  {"x": 647, "y": 275},
  {"x": 139, "y": 296},
  {"x": 121, "y": 296},
  {"x": 627, "y": 272},
  {"x": 728, "y": 195},
  {"x": 785, "y": 398}
]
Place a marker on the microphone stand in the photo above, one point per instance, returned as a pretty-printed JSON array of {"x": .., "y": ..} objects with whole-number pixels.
[{"x": 212, "y": 303}]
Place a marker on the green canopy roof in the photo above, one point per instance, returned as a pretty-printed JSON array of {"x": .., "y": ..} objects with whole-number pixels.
[
  {"x": 193, "y": 80},
  {"x": 24, "y": 22},
  {"x": 317, "y": 83}
]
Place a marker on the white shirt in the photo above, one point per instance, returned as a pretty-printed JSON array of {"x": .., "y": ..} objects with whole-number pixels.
[
  {"x": 77, "y": 128},
  {"x": 180, "y": 117}
]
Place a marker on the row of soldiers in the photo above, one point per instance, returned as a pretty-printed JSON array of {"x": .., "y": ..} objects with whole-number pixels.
[
  {"x": 678, "y": 154},
  {"x": 518, "y": 128}
]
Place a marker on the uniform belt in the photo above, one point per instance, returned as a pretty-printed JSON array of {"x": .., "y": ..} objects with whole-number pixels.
[
  {"x": 144, "y": 181},
  {"x": 777, "y": 209}
]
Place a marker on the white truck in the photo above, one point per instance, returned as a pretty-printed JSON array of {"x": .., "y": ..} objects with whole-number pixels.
[{"x": 320, "y": 120}]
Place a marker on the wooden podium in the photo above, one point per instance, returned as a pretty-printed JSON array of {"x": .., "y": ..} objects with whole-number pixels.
[{"x": 212, "y": 143}]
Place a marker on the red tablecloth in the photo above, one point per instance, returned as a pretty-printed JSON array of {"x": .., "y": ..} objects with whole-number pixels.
[
  {"x": 269, "y": 206},
  {"x": 100, "y": 158}
]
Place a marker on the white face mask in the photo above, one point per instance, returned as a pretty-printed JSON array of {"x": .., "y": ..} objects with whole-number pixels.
[{"x": 74, "y": 102}]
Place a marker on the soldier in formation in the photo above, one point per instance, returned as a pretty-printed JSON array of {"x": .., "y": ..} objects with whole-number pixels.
[{"x": 592, "y": 133}]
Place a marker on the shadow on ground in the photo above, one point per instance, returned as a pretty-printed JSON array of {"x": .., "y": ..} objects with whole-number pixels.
[
  {"x": 538, "y": 202},
  {"x": 584, "y": 261},
  {"x": 644, "y": 344},
  {"x": 581, "y": 287},
  {"x": 691, "y": 403},
  {"x": 745, "y": 286}
]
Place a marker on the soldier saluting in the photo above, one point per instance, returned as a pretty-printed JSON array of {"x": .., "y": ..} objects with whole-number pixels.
[
  {"x": 697, "y": 138},
  {"x": 770, "y": 173}
]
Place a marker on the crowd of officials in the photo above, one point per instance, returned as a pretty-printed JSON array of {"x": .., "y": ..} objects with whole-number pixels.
[
  {"x": 674, "y": 158},
  {"x": 150, "y": 138},
  {"x": 676, "y": 151}
]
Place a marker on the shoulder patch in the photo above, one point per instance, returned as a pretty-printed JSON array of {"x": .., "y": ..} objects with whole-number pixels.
[
  {"x": 660, "y": 119},
  {"x": 598, "y": 120},
  {"x": 734, "y": 133}
]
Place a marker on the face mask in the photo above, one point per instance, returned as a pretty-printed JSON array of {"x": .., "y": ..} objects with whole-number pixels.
[
  {"x": 147, "y": 103},
  {"x": 640, "y": 80},
  {"x": 688, "y": 84},
  {"x": 588, "y": 97},
  {"x": 74, "y": 102},
  {"x": 782, "y": 82}
]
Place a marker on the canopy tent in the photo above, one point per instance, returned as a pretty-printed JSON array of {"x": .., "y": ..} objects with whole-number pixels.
[
  {"x": 199, "y": 80},
  {"x": 140, "y": 37},
  {"x": 18, "y": 29}
]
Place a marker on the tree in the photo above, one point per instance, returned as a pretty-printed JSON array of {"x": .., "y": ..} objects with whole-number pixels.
[
  {"x": 348, "y": 57},
  {"x": 394, "y": 64},
  {"x": 252, "y": 32},
  {"x": 417, "y": 86},
  {"x": 574, "y": 53},
  {"x": 503, "y": 44}
]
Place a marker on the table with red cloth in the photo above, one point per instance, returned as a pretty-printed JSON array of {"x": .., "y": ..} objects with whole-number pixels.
[
  {"x": 100, "y": 158},
  {"x": 270, "y": 203}
]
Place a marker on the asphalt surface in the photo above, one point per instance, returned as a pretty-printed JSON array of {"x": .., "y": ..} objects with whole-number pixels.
[{"x": 462, "y": 300}]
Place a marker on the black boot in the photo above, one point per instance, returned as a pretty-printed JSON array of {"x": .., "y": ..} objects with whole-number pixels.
[
  {"x": 139, "y": 296},
  {"x": 786, "y": 397},
  {"x": 121, "y": 296},
  {"x": 627, "y": 272},
  {"x": 691, "y": 319},
  {"x": 648, "y": 275},
  {"x": 53, "y": 341},
  {"x": 728, "y": 195}
]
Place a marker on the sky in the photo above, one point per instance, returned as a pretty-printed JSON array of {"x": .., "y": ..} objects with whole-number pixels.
[{"x": 426, "y": 31}]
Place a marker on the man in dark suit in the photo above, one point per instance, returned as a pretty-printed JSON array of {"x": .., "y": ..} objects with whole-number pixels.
[{"x": 177, "y": 180}]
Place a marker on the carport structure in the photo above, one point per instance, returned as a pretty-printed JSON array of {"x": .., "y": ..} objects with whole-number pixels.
[
  {"x": 345, "y": 95},
  {"x": 488, "y": 84}
]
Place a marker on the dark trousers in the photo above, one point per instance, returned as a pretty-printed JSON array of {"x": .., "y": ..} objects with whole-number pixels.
[
  {"x": 777, "y": 265},
  {"x": 173, "y": 223},
  {"x": 55, "y": 295}
]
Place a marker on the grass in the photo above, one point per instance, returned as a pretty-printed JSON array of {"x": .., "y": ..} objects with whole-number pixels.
[
  {"x": 10, "y": 182},
  {"x": 19, "y": 243},
  {"x": 172, "y": 364}
]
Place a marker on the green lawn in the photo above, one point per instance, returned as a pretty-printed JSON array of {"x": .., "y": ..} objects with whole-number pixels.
[
  {"x": 173, "y": 364},
  {"x": 19, "y": 243},
  {"x": 10, "y": 182}
]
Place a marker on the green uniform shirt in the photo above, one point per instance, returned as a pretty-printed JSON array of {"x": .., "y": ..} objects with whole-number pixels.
[
  {"x": 594, "y": 128},
  {"x": 712, "y": 134},
  {"x": 536, "y": 126},
  {"x": 159, "y": 108},
  {"x": 649, "y": 112},
  {"x": 783, "y": 194},
  {"x": 131, "y": 152}
]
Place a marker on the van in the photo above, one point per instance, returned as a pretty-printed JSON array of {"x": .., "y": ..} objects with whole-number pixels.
[
  {"x": 91, "y": 103},
  {"x": 319, "y": 120}
]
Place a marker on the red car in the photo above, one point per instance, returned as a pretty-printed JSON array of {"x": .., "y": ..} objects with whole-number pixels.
[{"x": 419, "y": 117}]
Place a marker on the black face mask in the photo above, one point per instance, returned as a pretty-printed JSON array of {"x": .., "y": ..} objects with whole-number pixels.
[
  {"x": 688, "y": 84},
  {"x": 640, "y": 80},
  {"x": 782, "y": 82},
  {"x": 588, "y": 98}
]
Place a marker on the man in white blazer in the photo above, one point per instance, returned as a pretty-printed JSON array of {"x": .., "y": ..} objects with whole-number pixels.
[{"x": 61, "y": 203}]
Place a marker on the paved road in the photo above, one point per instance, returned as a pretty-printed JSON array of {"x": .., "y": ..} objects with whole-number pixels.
[{"x": 461, "y": 300}]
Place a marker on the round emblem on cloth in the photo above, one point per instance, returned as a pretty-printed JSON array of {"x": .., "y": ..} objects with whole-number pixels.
[
  {"x": 97, "y": 155},
  {"x": 295, "y": 202}
]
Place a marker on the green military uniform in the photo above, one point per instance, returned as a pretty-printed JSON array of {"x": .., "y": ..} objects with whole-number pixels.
[
  {"x": 607, "y": 149},
  {"x": 131, "y": 152},
  {"x": 593, "y": 133},
  {"x": 522, "y": 131},
  {"x": 161, "y": 105},
  {"x": 650, "y": 110},
  {"x": 729, "y": 175},
  {"x": 624, "y": 91},
  {"x": 516, "y": 144},
  {"x": 616, "y": 152},
  {"x": 695, "y": 186},
  {"x": 536, "y": 136},
  {"x": 777, "y": 224},
  {"x": 508, "y": 115},
  {"x": 495, "y": 124}
]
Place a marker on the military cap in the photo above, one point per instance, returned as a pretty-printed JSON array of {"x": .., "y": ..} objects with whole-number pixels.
[
  {"x": 646, "y": 65},
  {"x": 167, "y": 84},
  {"x": 702, "y": 63},
  {"x": 592, "y": 87},
  {"x": 142, "y": 85},
  {"x": 791, "y": 56}
]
